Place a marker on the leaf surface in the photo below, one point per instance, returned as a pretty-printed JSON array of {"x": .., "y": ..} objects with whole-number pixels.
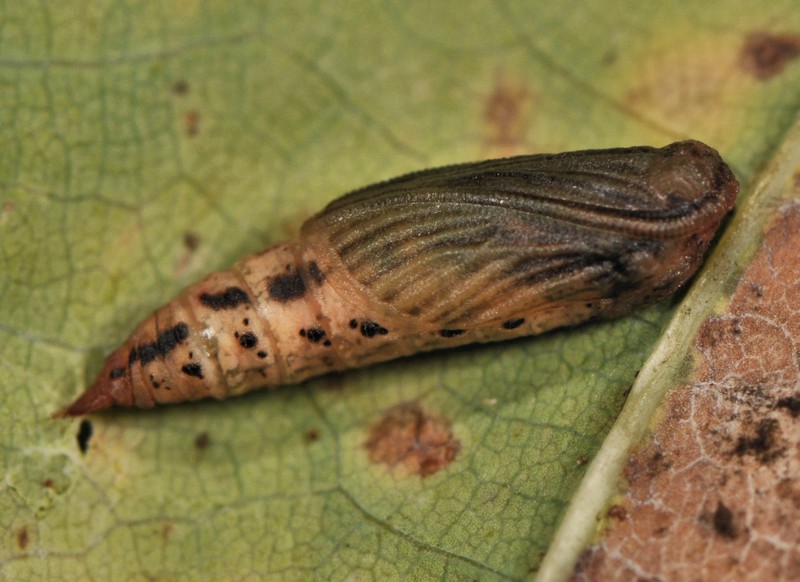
[{"x": 146, "y": 145}]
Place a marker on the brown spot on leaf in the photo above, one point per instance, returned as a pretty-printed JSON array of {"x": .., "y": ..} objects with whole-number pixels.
[
  {"x": 762, "y": 442},
  {"x": 180, "y": 87},
  {"x": 49, "y": 483},
  {"x": 191, "y": 122},
  {"x": 166, "y": 531},
  {"x": 23, "y": 538},
  {"x": 312, "y": 435},
  {"x": 765, "y": 55},
  {"x": 85, "y": 431},
  {"x": 723, "y": 522},
  {"x": 506, "y": 116},
  {"x": 729, "y": 434},
  {"x": 790, "y": 404},
  {"x": 191, "y": 240},
  {"x": 409, "y": 437},
  {"x": 618, "y": 512},
  {"x": 202, "y": 441}
]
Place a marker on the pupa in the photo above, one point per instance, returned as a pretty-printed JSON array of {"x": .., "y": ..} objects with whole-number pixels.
[{"x": 476, "y": 252}]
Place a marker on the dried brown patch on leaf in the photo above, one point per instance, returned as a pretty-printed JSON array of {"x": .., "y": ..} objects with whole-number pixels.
[
  {"x": 202, "y": 441},
  {"x": 408, "y": 437},
  {"x": 23, "y": 537},
  {"x": 715, "y": 493},
  {"x": 506, "y": 116},
  {"x": 166, "y": 531},
  {"x": 180, "y": 87},
  {"x": 85, "y": 430},
  {"x": 191, "y": 122},
  {"x": 766, "y": 55},
  {"x": 191, "y": 240}
]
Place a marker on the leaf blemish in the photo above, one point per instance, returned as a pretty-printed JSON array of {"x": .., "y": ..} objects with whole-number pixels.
[
  {"x": 763, "y": 443},
  {"x": 191, "y": 121},
  {"x": 765, "y": 55},
  {"x": 409, "y": 437},
  {"x": 723, "y": 521},
  {"x": 181, "y": 87},
  {"x": 202, "y": 441},
  {"x": 191, "y": 240},
  {"x": 23, "y": 538},
  {"x": 85, "y": 431},
  {"x": 505, "y": 114}
]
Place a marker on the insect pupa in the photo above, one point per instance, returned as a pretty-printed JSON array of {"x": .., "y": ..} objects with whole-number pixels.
[{"x": 475, "y": 252}]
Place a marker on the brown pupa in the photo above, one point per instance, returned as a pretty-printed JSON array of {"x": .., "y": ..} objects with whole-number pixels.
[{"x": 476, "y": 252}]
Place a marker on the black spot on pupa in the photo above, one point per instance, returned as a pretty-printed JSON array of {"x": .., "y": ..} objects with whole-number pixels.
[
  {"x": 117, "y": 373},
  {"x": 156, "y": 384},
  {"x": 513, "y": 323},
  {"x": 85, "y": 431},
  {"x": 315, "y": 273},
  {"x": 287, "y": 287},
  {"x": 193, "y": 370},
  {"x": 353, "y": 323},
  {"x": 246, "y": 321},
  {"x": 166, "y": 341},
  {"x": 231, "y": 298},
  {"x": 450, "y": 332},
  {"x": 248, "y": 340},
  {"x": 313, "y": 334},
  {"x": 147, "y": 353},
  {"x": 371, "y": 329},
  {"x": 262, "y": 354},
  {"x": 133, "y": 356},
  {"x": 327, "y": 343}
]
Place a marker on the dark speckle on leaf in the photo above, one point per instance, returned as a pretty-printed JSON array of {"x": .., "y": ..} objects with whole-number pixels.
[{"x": 85, "y": 431}]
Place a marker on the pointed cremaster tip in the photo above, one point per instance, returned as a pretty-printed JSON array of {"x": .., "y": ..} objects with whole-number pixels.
[{"x": 95, "y": 398}]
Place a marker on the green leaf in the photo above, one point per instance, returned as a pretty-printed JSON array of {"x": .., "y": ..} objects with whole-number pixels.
[{"x": 145, "y": 145}]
